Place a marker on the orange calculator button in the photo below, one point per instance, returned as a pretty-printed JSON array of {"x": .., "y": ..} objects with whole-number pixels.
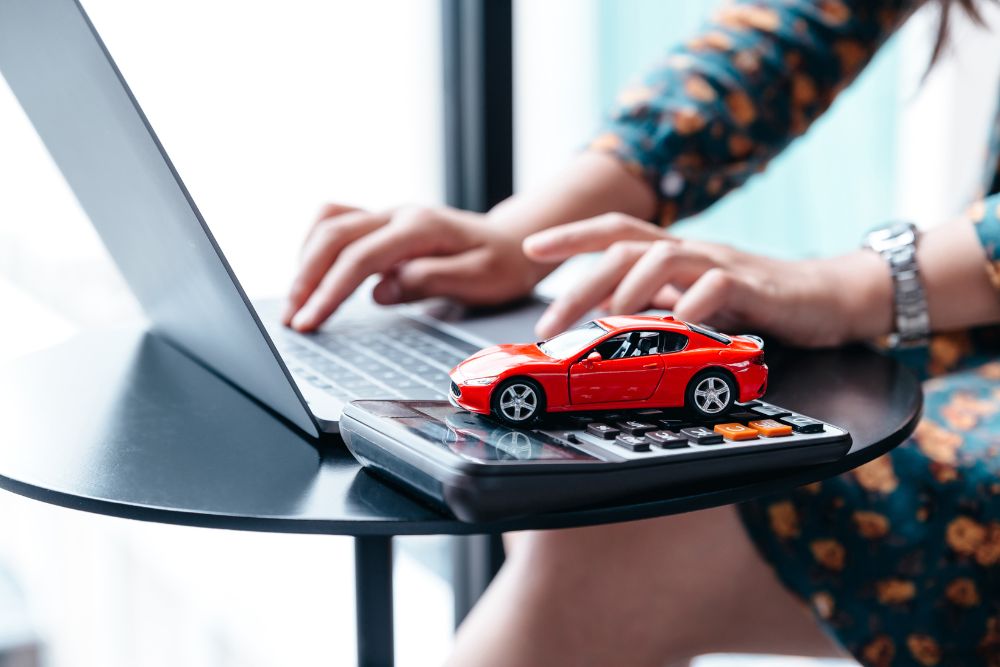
[
  {"x": 770, "y": 428},
  {"x": 734, "y": 431}
]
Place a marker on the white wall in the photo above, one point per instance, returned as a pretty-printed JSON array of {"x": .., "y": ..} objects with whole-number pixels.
[
  {"x": 944, "y": 128},
  {"x": 267, "y": 110}
]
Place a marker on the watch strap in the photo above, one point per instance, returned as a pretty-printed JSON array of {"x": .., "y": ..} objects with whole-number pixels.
[{"x": 897, "y": 244}]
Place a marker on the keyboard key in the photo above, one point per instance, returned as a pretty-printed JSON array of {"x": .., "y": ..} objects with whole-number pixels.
[
  {"x": 368, "y": 391},
  {"x": 602, "y": 430},
  {"x": 768, "y": 410},
  {"x": 636, "y": 427},
  {"x": 351, "y": 382},
  {"x": 700, "y": 435},
  {"x": 422, "y": 393},
  {"x": 667, "y": 439},
  {"x": 736, "y": 431},
  {"x": 632, "y": 443},
  {"x": 802, "y": 424},
  {"x": 770, "y": 428}
]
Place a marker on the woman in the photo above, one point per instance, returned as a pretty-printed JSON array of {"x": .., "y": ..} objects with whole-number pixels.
[{"x": 898, "y": 560}]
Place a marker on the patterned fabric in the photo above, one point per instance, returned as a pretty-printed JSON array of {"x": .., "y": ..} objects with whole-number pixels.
[
  {"x": 722, "y": 105},
  {"x": 899, "y": 559}
]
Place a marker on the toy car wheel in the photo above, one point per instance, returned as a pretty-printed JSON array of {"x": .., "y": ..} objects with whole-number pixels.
[
  {"x": 518, "y": 402},
  {"x": 711, "y": 394}
]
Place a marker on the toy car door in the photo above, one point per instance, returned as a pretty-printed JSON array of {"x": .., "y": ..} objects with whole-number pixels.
[{"x": 628, "y": 370}]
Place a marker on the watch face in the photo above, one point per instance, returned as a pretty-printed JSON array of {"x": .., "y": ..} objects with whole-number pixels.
[{"x": 892, "y": 236}]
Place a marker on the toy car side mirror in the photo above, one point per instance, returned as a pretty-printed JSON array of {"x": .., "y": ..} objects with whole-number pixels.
[{"x": 591, "y": 359}]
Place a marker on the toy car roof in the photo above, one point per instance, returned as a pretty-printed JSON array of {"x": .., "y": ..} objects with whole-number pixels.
[{"x": 658, "y": 322}]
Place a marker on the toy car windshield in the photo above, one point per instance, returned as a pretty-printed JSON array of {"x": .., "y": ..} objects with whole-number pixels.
[{"x": 572, "y": 341}]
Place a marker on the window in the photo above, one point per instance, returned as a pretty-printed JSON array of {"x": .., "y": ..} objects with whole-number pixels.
[
  {"x": 672, "y": 342},
  {"x": 568, "y": 342},
  {"x": 632, "y": 344}
]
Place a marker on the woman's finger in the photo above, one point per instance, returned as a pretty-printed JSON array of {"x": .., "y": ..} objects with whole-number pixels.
[
  {"x": 324, "y": 244},
  {"x": 592, "y": 235},
  {"x": 666, "y": 297},
  {"x": 410, "y": 234},
  {"x": 328, "y": 211},
  {"x": 665, "y": 262},
  {"x": 588, "y": 293},
  {"x": 457, "y": 277},
  {"x": 716, "y": 291}
]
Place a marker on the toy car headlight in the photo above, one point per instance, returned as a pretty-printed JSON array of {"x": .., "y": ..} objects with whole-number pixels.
[{"x": 481, "y": 382}]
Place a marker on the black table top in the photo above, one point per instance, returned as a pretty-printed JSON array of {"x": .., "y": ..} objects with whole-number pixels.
[{"x": 121, "y": 423}]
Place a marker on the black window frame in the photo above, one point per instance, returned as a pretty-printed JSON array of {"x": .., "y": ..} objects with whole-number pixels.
[{"x": 709, "y": 333}]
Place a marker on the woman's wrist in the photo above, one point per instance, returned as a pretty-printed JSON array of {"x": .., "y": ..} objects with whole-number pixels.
[
  {"x": 862, "y": 290},
  {"x": 593, "y": 184}
]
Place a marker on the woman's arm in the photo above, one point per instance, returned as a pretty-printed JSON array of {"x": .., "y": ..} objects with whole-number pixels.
[
  {"x": 814, "y": 303},
  {"x": 721, "y": 106},
  {"x": 961, "y": 289}
]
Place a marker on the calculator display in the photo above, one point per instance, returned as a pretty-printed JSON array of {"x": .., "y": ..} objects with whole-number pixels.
[{"x": 482, "y": 440}]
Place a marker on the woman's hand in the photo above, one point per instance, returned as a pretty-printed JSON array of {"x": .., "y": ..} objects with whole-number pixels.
[
  {"x": 811, "y": 303},
  {"x": 419, "y": 253}
]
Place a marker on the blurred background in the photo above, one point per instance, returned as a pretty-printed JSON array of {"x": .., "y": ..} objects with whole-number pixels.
[{"x": 271, "y": 109}]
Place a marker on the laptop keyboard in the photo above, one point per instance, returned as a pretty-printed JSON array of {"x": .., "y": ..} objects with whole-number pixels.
[{"x": 402, "y": 359}]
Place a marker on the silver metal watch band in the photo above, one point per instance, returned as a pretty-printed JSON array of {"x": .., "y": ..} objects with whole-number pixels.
[{"x": 897, "y": 243}]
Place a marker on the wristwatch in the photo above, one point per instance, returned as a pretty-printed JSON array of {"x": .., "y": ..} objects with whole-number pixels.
[{"x": 897, "y": 243}]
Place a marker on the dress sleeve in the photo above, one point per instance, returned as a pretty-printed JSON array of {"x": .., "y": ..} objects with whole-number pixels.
[
  {"x": 985, "y": 215},
  {"x": 720, "y": 106}
]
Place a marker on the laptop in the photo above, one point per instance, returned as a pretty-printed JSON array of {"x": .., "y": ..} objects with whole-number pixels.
[{"x": 63, "y": 76}]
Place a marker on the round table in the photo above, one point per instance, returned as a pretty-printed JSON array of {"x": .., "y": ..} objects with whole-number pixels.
[{"x": 120, "y": 422}]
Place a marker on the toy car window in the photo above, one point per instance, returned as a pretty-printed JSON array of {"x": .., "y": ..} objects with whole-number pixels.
[
  {"x": 632, "y": 344},
  {"x": 649, "y": 343},
  {"x": 714, "y": 335},
  {"x": 613, "y": 348},
  {"x": 672, "y": 342},
  {"x": 570, "y": 342}
]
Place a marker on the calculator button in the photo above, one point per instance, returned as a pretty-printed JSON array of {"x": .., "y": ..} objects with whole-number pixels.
[
  {"x": 768, "y": 410},
  {"x": 636, "y": 427},
  {"x": 770, "y": 428},
  {"x": 700, "y": 435},
  {"x": 748, "y": 404},
  {"x": 674, "y": 424},
  {"x": 741, "y": 416},
  {"x": 667, "y": 439},
  {"x": 802, "y": 424},
  {"x": 633, "y": 443},
  {"x": 602, "y": 430},
  {"x": 736, "y": 431}
]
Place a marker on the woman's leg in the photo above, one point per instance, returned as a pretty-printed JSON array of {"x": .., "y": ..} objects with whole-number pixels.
[{"x": 655, "y": 592}]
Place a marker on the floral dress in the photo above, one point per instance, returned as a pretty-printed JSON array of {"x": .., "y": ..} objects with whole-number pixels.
[{"x": 900, "y": 558}]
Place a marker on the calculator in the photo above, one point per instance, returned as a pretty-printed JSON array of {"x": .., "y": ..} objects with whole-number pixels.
[{"x": 477, "y": 469}]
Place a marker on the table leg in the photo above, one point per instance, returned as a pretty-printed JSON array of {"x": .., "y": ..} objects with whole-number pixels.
[{"x": 373, "y": 592}]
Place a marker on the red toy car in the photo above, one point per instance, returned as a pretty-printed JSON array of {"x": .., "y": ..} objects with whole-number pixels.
[{"x": 614, "y": 363}]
